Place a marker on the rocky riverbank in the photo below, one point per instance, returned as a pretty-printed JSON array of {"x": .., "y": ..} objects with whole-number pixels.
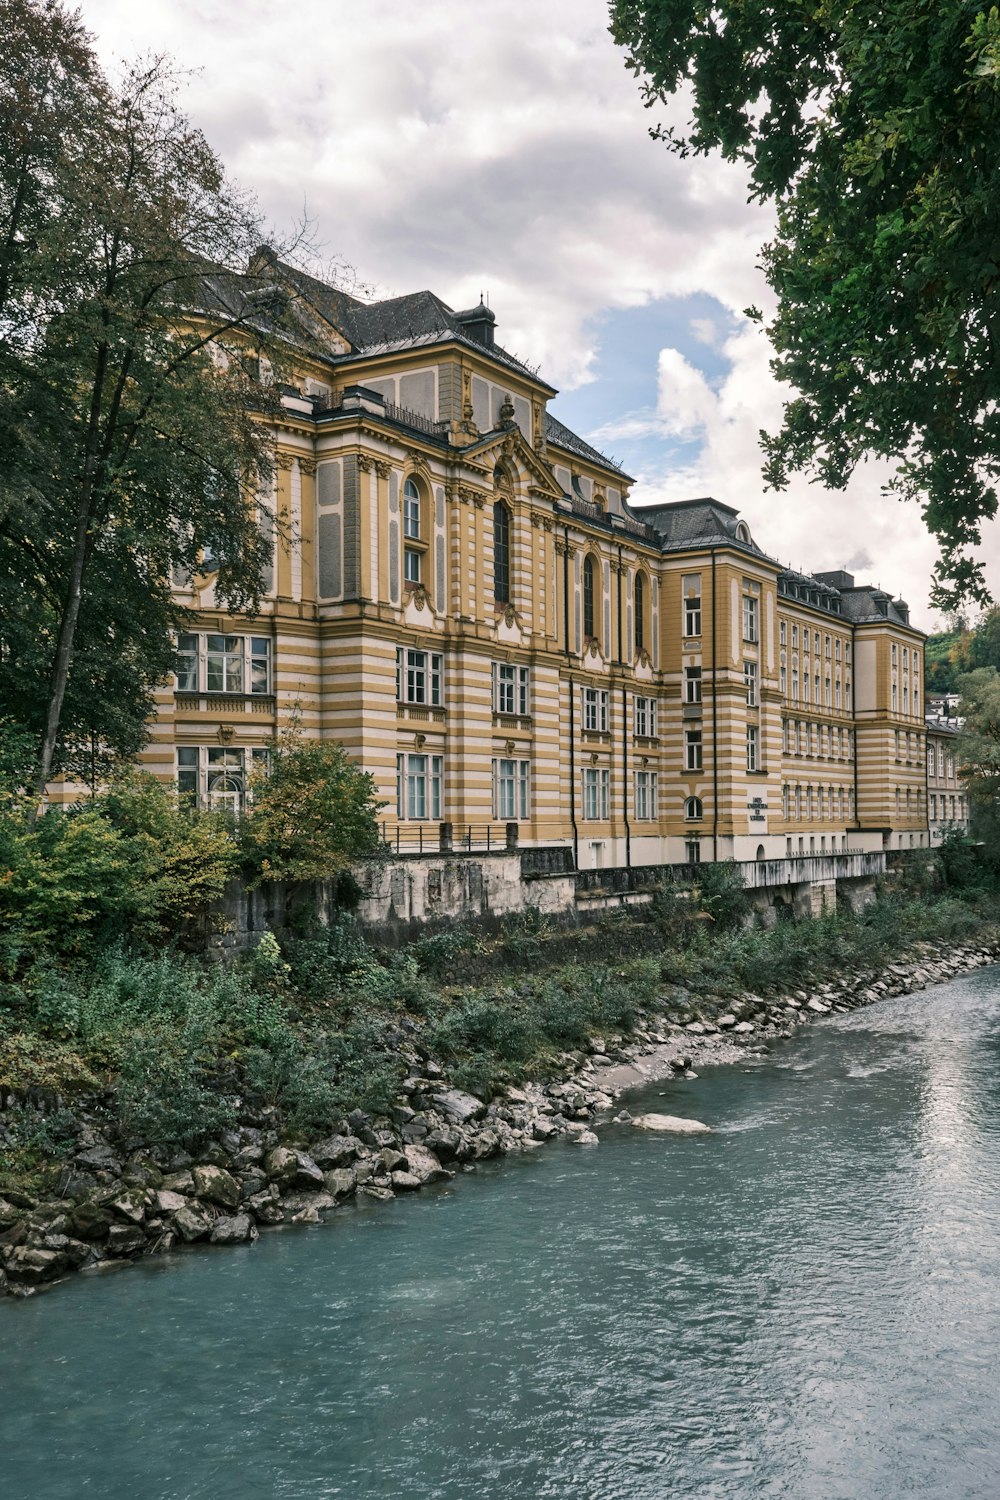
[{"x": 117, "y": 1202}]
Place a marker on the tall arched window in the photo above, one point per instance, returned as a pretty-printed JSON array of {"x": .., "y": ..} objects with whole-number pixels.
[
  {"x": 640, "y": 612},
  {"x": 588, "y": 596},
  {"x": 501, "y": 553}
]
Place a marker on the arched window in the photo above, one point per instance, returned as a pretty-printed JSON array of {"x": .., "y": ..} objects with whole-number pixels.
[
  {"x": 640, "y": 612},
  {"x": 411, "y": 510},
  {"x": 761, "y": 856},
  {"x": 501, "y": 553},
  {"x": 588, "y": 596},
  {"x": 693, "y": 810}
]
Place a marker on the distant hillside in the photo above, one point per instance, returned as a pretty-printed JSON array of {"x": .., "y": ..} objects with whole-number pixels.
[{"x": 962, "y": 648}]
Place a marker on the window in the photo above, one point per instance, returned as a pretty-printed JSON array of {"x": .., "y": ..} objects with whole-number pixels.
[
  {"x": 753, "y": 748},
  {"x": 640, "y": 612},
  {"x": 692, "y": 605},
  {"x": 595, "y": 710},
  {"x": 588, "y": 596},
  {"x": 782, "y": 633},
  {"x": 419, "y": 677},
  {"x": 692, "y": 749},
  {"x": 837, "y": 648},
  {"x": 828, "y": 693},
  {"x": 510, "y": 689},
  {"x": 411, "y": 510},
  {"x": 215, "y": 777},
  {"x": 510, "y": 790},
  {"x": 838, "y": 698},
  {"x": 795, "y": 635},
  {"x": 816, "y": 641},
  {"x": 783, "y": 680},
  {"x": 826, "y": 647},
  {"x": 418, "y": 787},
  {"x": 895, "y": 653},
  {"x": 750, "y": 682},
  {"x": 595, "y": 793},
  {"x": 692, "y": 684},
  {"x": 795, "y": 684},
  {"x": 223, "y": 664},
  {"x": 411, "y": 565},
  {"x": 930, "y": 760},
  {"x": 784, "y": 801},
  {"x": 693, "y": 809},
  {"x": 645, "y": 795},
  {"x": 895, "y": 696},
  {"x": 751, "y": 607},
  {"x": 501, "y": 553},
  {"x": 645, "y": 717},
  {"x": 692, "y": 851}
]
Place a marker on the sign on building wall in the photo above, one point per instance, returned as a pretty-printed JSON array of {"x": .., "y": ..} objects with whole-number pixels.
[{"x": 757, "y": 812}]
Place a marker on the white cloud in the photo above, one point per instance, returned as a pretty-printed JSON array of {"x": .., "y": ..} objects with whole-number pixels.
[{"x": 472, "y": 147}]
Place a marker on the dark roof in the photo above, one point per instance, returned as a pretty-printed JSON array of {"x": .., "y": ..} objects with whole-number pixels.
[
  {"x": 867, "y": 606},
  {"x": 562, "y": 437},
  {"x": 414, "y": 320},
  {"x": 697, "y": 523}
]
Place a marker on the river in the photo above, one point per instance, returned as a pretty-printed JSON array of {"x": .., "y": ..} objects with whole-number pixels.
[{"x": 804, "y": 1304}]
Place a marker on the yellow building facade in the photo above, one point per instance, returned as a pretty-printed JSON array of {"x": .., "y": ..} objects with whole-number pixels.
[{"x": 461, "y": 594}]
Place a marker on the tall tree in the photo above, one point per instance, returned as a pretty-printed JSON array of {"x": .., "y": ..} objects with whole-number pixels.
[
  {"x": 131, "y": 336},
  {"x": 872, "y": 126}
]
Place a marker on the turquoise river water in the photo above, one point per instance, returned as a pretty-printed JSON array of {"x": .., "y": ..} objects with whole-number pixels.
[{"x": 805, "y": 1304}]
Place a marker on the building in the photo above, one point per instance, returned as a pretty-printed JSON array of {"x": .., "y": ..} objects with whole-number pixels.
[
  {"x": 464, "y": 598},
  {"x": 947, "y": 800}
]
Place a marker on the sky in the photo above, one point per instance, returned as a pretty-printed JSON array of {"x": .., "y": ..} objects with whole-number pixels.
[{"x": 469, "y": 147}]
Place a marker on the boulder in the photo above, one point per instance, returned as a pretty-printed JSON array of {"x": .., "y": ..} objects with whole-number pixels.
[
  {"x": 9, "y": 1215},
  {"x": 586, "y": 1138},
  {"x": 405, "y": 1182},
  {"x": 216, "y": 1185},
  {"x": 458, "y": 1106},
  {"x": 542, "y": 1129},
  {"x": 424, "y": 1165},
  {"x": 335, "y": 1152},
  {"x": 671, "y": 1124},
  {"x": 290, "y": 1168},
  {"x": 340, "y": 1183},
  {"x": 744, "y": 1028},
  {"x": 380, "y": 1194},
  {"x": 445, "y": 1143},
  {"x": 265, "y": 1209},
  {"x": 90, "y": 1220},
  {"x": 123, "y": 1239},
  {"x": 168, "y": 1202},
  {"x": 392, "y": 1160},
  {"x": 232, "y": 1229},
  {"x": 179, "y": 1182},
  {"x": 129, "y": 1206},
  {"x": 817, "y": 1006},
  {"x": 725, "y": 1022},
  {"x": 192, "y": 1222}
]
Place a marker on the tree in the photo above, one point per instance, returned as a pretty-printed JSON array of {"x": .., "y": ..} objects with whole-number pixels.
[
  {"x": 979, "y": 740},
  {"x": 871, "y": 125},
  {"x": 131, "y": 431},
  {"x": 313, "y": 812}
]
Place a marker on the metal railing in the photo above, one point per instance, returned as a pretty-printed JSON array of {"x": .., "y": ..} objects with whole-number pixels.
[
  {"x": 448, "y": 838},
  {"x": 415, "y": 419}
]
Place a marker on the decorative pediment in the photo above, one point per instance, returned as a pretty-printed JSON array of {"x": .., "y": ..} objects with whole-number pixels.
[
  {"x": 643, "y": 666},
  {"x": 511, "y": 444},
  {"x": 509, "y": 628},
  {"x": 593, "y": 656},
  {"x": 417, "y": 609}
]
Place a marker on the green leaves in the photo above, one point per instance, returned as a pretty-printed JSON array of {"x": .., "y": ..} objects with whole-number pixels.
[
  {"x": 871, "y": 124},
  {"x": 314, "y": 811}
]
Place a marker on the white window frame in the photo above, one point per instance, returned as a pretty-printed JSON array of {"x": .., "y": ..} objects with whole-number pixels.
[
  {"x": 411, "y": 511},
  {"x": 644, "y": 802},
  {"x": 692, "y": 685},
  {"x": 202, "y": 771},
  {"x": 419, "y": 677},
  {"x": 751, "y": 617},
  {"x": 511, "y": 690},
  {"x": 511, "y": 789},
  {"x": 419, "y": 782},
  {"x": 596, "y": 786},
  {"x": 750, "y": 682},
  {"x": 693, "y": 755},
  {"x": 753, "y": 748},
  {"x": 644, "y": 716},
  {"x": 246, "y": 664},
  {"x": 595, "y": 710}
]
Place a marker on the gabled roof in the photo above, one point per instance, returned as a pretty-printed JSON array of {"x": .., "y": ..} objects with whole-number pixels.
[{"x": 556, "y": 432}]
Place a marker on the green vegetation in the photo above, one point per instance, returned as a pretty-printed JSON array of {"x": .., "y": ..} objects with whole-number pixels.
[
  {"x": 170, "y": 1050},
  {"x": 132, "y": 444},
  {"x": 870, "y": 127}
]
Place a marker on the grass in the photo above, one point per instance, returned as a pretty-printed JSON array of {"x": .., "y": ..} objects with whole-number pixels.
[{"x": 169, "y": 1050}]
